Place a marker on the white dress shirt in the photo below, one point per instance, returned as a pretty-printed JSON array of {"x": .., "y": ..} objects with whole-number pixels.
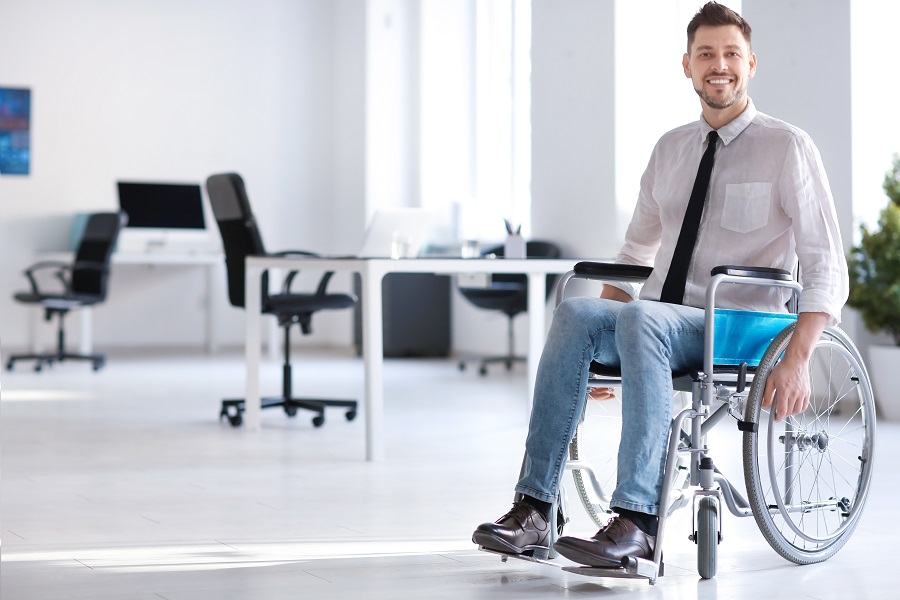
[{"x": 768, "y": 204}]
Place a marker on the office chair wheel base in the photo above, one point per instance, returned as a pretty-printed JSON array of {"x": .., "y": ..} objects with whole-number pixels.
[
  {"x": 318, "y": 421},
  {"x": 235, "y": 419},
  {"x": 290, "y": 410},
  {"x": 350, "y": 415}
]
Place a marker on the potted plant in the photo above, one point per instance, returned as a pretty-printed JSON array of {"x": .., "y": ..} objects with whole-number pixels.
[{"x": 875, "y": 292}]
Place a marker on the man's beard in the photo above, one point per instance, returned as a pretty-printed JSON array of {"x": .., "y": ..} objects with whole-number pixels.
[{"x": 710, "y": 102}]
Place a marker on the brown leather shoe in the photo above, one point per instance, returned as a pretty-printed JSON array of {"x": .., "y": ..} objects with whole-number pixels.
[
  {"x": 620, "y": 538},
  {"x": 523, "y": 530}
]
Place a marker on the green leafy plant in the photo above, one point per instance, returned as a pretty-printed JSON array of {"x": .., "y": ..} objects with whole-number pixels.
[{"x": 875, "y": 265}]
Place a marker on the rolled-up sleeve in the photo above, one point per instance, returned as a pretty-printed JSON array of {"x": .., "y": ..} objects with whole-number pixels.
[
  {"x": 806, "y": 198},
  {"x": 643, "y": 235}
]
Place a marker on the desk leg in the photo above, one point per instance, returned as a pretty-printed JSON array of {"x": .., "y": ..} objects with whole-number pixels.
[
  {"x": 373, "y": 359},
  {"x": 537, "y": 299},
  {"x": 252, "y": 316},
  {"x": 210, "y": 305},
  {"x": 86, "y": 342}
]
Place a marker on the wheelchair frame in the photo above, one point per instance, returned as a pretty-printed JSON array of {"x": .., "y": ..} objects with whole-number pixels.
[{"x": 728, "y": 389}]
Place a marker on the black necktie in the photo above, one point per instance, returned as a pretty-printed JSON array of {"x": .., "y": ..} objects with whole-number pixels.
[{"x": 673, "y": 288}]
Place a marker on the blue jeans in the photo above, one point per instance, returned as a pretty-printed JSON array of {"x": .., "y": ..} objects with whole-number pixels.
[{"x": 647, "y": 340}]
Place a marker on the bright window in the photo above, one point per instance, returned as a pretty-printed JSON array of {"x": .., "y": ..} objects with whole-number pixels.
[{"x": 475, "y": 145}]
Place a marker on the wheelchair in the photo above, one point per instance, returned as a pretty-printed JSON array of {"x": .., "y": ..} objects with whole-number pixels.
[{"x": 806, "y": 478}]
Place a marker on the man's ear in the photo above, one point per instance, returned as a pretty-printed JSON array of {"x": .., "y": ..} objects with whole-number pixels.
[
  {"x": 686, "y": 65},
  {"x": 752, "y": 64}
]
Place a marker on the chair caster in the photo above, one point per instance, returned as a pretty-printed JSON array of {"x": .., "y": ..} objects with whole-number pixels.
[
  {"x": 9, "y": 366},
  {"x": 38, "y": 368},
  {"x": 482, "y": 371},
  {"x": 462, "y": 366},
  {"x": 350, "y": 415},
  {"x": 236, "y": 419},
  {"x": 318, "y": 420},
  {"x": 290, "y": 410},
  {"x": 98, "y": 364}
]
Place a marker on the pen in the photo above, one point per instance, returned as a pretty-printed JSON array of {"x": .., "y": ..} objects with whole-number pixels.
[{"x": 508, "y": 226}]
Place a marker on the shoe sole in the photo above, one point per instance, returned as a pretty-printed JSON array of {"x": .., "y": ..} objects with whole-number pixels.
[{"x": 500, "y": 545}]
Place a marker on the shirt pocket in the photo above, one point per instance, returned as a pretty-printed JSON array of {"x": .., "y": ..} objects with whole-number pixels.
[{"x": 747, "y": 206}]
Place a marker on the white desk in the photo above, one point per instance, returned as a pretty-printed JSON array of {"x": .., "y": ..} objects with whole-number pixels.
[
  {"x": 210, "y": 261},
  {"x": 372, "y": 271}
]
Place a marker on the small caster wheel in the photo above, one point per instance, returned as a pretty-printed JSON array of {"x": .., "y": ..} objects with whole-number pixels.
[
  {"x": 462, "y": 366},
  {"x": 235, "y": 420},
  {"x": 98, "y": 365},
  {"x": 482, "y": 371},
  {"x": 509, "y": 365},
  {"x": 350, "y": 415},
  {"x": 9, "y": 366},
  {"x": 290, "y": 410},
  {"x": 318, "y": 420},
  {"x": 38, "y": 368}
]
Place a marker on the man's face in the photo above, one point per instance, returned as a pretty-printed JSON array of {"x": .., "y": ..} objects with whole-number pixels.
[{"x": 720, "y": 65}]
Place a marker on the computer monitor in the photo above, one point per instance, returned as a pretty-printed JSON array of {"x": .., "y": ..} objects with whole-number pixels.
[{"x": 162, "y": 216}]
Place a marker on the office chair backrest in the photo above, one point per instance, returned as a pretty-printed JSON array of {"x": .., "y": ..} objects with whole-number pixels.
[
  {"x": 533, "y": 249},
  {"x": 240, "y": 236},
  {"x": 97, "y": 245}
]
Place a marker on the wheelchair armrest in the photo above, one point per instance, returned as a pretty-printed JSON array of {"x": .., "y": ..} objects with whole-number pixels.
[
  {"x": 612, "y": 271},
  {"x": 599, "y": 271},
  {"x": 755, "y": 272}
]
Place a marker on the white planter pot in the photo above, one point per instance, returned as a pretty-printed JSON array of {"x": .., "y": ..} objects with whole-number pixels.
[{"x": 884, "y": 371}]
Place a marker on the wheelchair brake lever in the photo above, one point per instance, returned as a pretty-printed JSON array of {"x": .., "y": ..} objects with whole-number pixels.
[{"x": 742, "y": 377}]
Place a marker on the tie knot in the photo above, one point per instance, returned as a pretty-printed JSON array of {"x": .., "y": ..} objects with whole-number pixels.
[{"x": 712, "y": 137}]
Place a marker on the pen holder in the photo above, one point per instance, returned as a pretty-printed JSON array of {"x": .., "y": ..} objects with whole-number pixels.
[{"x": 514, "y": 247}]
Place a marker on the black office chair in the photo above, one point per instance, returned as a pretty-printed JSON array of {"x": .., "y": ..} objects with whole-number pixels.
[
  {"x": 84, "y": 283},
  {"x": 241, "y": 239},
  {"x": 508, "y": 293}
]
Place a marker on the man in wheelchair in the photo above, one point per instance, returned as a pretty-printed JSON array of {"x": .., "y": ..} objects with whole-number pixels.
[{"x": 760, "y": 198}]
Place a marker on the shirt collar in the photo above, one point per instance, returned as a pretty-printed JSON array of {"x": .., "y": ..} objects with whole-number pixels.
[{"x": 733, "y": 129}]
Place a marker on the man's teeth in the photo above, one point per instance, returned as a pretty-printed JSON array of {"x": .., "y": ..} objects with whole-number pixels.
[{"x": 719, "y": 81}]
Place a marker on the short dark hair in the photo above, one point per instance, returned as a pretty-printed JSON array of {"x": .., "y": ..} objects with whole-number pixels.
[{"x": 714, "y": 14}]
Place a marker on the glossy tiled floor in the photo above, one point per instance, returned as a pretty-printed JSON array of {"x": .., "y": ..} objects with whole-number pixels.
[{"x": 123, "y": 485}]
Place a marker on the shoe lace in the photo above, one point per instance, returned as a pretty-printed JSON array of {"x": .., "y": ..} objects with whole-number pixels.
[{"x": 520, "y": 512}]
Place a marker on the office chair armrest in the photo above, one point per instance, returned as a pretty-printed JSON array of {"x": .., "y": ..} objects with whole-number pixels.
[
  {"x": 293, "y": 253},
  {"x": 60, "y": 266}
]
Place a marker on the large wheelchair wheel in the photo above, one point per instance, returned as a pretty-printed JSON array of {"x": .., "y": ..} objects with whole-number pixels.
[
  {"x": 808, "y": 476},
  {"x": 596, "y": 446}
]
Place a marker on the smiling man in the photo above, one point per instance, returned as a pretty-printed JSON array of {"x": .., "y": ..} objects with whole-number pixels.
[{"x": 760, "y": 197}]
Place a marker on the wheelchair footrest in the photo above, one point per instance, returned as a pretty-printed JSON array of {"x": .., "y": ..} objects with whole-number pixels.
[
  {"x": 506, "y": 555},
  {"x": 633, "y": 568}
]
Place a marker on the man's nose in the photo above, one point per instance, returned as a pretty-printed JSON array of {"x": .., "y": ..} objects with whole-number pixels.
[{"x": 720, "y": 64}]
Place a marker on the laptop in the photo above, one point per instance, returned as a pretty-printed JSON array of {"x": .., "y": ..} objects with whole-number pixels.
[{"x": 392, "y": 226}]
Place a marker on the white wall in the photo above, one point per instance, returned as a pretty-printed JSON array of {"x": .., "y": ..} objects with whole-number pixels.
[{"x": 177, "y": 90}]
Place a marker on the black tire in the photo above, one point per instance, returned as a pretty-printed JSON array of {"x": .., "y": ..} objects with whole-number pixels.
[
  {"x": 318, "y": 420},
  {"x": 350, "y": 415},
  {"x": 707, "y": 537},
  {"x": 808, "y": 476}
]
